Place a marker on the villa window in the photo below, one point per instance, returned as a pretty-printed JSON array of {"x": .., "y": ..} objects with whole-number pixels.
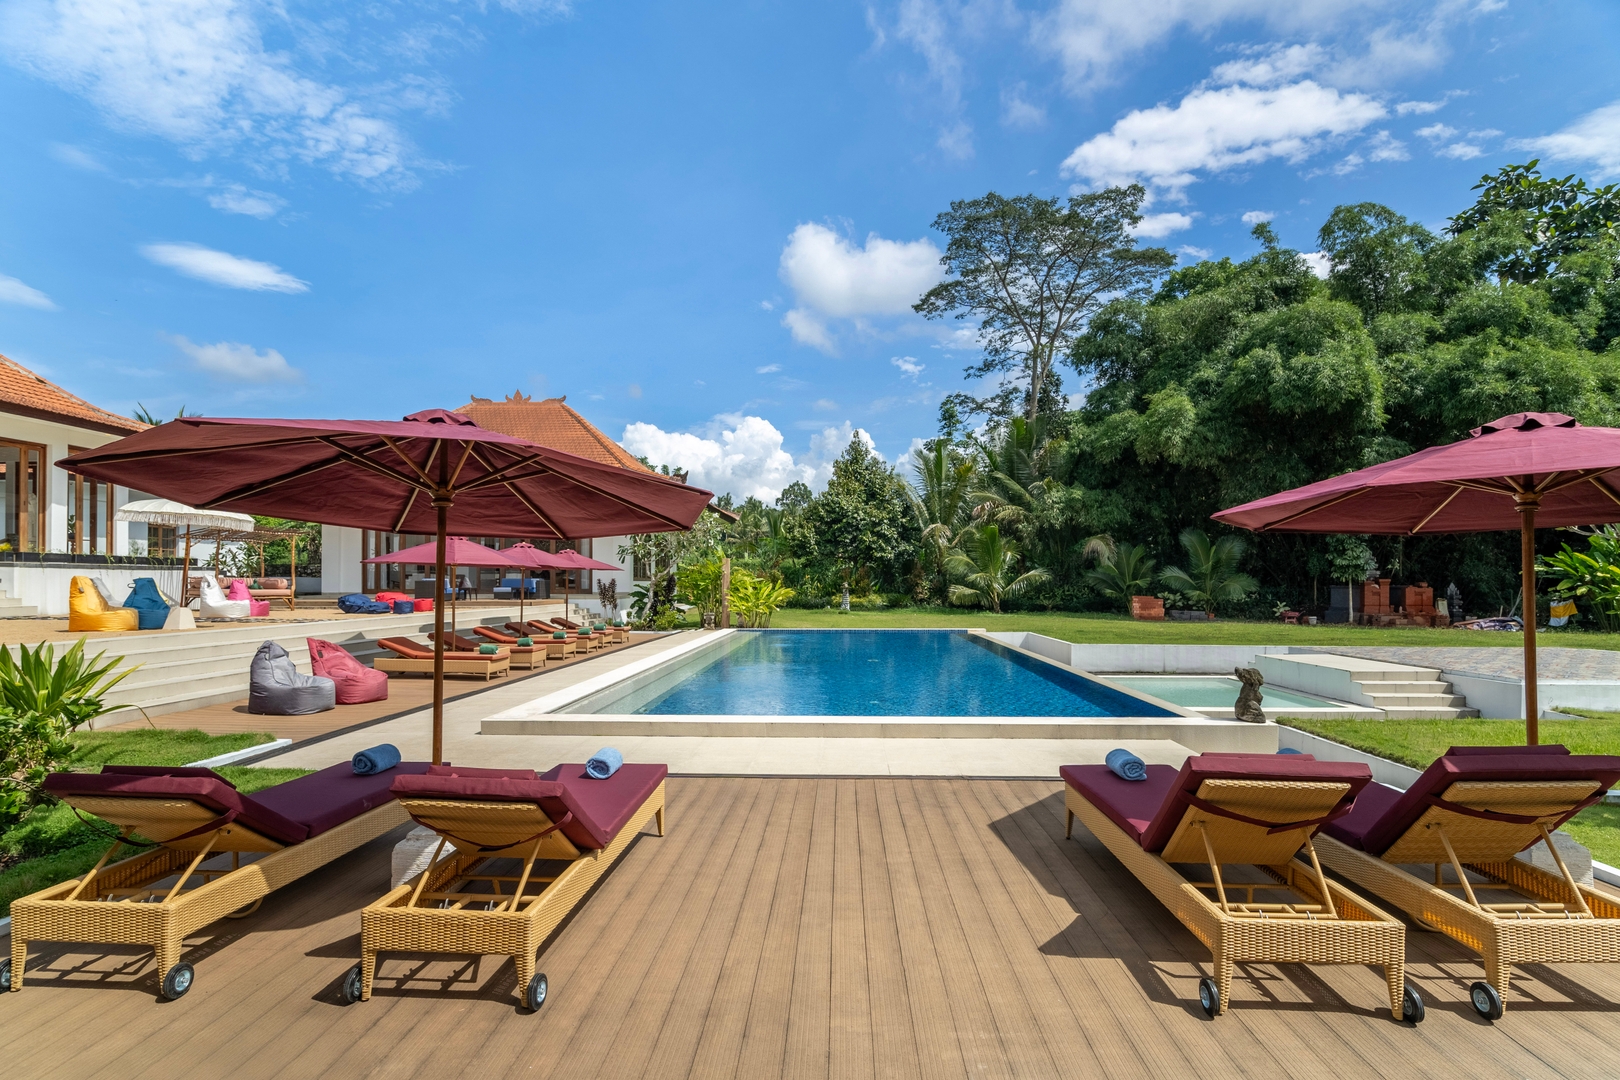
[
  {"x": 90, "y": 515},
  {"x": 22, "y": 495}
]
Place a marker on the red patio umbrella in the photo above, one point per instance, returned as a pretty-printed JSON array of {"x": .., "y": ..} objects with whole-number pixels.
[
  {"x": 570, "y": 559},
  {"x": 458, "y": 551},
  {"x": 421, "y": 474},
  {"x": 528, "y": 557},
  {"x": 1510, "y": 473}
]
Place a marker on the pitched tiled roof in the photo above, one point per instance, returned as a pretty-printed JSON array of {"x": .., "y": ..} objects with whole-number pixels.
[
  {"x": 28, "y": 394},
  {"x": 549, "y": 422}
]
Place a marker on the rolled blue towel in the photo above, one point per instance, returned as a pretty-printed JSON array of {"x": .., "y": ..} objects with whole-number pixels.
[
  {"x": 604, "y": 764},
  {"x": 1290, "y": 750},
  {"x": 1126, "y": 765},
  {"x": 375, "y": 760}
]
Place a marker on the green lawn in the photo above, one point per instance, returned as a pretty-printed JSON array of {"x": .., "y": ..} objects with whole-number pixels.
[
  {"x": 1099, "y": 629},
  {"x": 52, "y": 844},
  {"x": 1419, "y": 742}
]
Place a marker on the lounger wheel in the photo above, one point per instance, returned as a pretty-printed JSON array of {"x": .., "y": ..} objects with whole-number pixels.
[
  {"x": 1486, "y": 1001},
  {"x": 1412, "y": 1010},
  {"x": 1209, "y": 996},
  {"x": 352, "y": 985},
  {"x": 5, "y": 975},
  {"x": 178, "y": 981},
  {"x": 534, "y": 995}
]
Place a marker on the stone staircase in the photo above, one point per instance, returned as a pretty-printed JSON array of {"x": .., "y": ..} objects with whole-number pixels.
[
  {"x": 1400, "y": 691},
  {"x": 13, "y": 608}
]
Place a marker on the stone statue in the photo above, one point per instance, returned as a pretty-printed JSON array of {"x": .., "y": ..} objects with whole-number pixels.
[{"x": 1248, "y": 701}]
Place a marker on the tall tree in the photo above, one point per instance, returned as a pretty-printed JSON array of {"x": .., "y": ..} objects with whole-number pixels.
[
  {"x": 1376, "y": 255},
  {"x": 1031, "y": 271},
  {"x": 863, "y": 521}
]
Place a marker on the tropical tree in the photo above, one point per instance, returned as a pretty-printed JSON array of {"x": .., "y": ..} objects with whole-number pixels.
[
  {"x": 940, "y": 494},
  {"x": 1212, "y": 576},
  {"x": 1122, "y": 570},
  {"x": 1591, "y": 576},
  {"x": 863, "y": 524},
  {"x": 986, "y": 568},
  {"x": 755, "y": 598},
  {"x": 1029, "y": 272}
]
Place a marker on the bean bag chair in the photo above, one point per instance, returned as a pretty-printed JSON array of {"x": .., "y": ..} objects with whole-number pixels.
[
  {"x": 354, "y": 681},
  {"x": 212, "y": 604},
  {"x": 390, "y": 598},
  {"x": 361, "y": 604},
  {"x": 257, "y": 609},
  {"x": 423, "y": 605},
  {"x": 89, "y": 611},
  {"x": 277, "y": 688},
  {"x": 148, "y": 604}
]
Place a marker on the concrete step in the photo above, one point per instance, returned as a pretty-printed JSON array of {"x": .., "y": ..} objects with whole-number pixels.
[
  {"x": 1444, "y": 700},
  {"x": 13, "y": 608},
  {"x": 1423, "y": 712},
  {"x": 1419, "y": 686}
]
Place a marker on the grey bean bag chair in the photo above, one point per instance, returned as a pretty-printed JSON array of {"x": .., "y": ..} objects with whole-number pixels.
[{"x": 277, "y": 688}]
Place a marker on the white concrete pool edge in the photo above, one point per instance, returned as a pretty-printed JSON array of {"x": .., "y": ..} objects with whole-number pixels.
[{"x": 568, "y": 695}]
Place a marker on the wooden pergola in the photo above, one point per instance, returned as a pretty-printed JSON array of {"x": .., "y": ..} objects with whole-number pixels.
[{"x": 259, "y": 537}]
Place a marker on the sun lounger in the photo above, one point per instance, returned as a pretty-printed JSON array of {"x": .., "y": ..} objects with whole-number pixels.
[
  {"x": 196, "y": 817},
  {"x": 1473, "y": 810},
  {"x": 587, "y": 638},
  {"x": 466, "y": 902},
  {"x": 523, "y": 656},
  {"x": 1254, "y": 809},
  {"x": 557, "y": 648},
  {"x": 414, "y": 658}
]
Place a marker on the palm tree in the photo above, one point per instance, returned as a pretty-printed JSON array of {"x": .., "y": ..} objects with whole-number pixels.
[
  {"x": 985, "y": 565},
  {"x": 1214, "y": 576},
  {"x": 1122, "y": 570},
  {"x": 940, "y": 498}
]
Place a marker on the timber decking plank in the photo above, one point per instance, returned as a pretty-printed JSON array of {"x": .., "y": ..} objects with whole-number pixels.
[
  {"x": 850, "y": 1020},
  {"x": 807, "y": 1052},
  {"x": 893, "y": 1039}
]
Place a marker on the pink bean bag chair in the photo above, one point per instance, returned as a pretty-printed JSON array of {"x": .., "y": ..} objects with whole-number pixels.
[
  {"x": 355, "y": 682},
  {"x": 257, "y": 609}
]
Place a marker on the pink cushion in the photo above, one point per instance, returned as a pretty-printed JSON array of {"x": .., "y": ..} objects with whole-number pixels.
[
  {"x": 326, "y": 799},
  {"x": 1391, "y": 813},
  {"x": 208, "y": 791},
  {"x": 608, "y": 804},
  {"x": 257, "y": 609},
  {"x": 238, "y": 590},
  {"x": 595, "y": 810}
]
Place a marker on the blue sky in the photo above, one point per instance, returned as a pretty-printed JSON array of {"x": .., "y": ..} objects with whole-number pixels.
[{"x": 703, "y": 223}]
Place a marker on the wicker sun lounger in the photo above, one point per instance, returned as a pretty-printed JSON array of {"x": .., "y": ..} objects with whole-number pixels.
[
  {"x": 556, "y": 648},
  {"x": 523, "y": 656},
  {"x": 467, "y": 902},
  {"x": 596, "y": 639},
  {"x": 1253, "y": 809},
  {"x": 414, "y": 658},
  {"x": 1473, "y": 810},
  {"x": 217, "y": 854}
]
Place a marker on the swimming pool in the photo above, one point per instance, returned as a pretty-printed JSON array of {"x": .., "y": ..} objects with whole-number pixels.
[
  {"x": 862, "y": 673},
  {"x": 1216, "y": 695}
]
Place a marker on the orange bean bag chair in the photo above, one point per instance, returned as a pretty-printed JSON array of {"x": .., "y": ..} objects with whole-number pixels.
[{"x": 89, "y": 612}]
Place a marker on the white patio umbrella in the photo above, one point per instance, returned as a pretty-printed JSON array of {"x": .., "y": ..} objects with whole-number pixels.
[{"x": 178, "y": 515}]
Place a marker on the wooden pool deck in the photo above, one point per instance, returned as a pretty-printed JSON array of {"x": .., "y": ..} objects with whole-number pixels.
[{"x": 799, "y": 928}]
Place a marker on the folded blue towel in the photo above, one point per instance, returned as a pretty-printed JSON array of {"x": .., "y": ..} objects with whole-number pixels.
[
  {"x": 1290, "y": 750},
  {"x": 604, "y": 764},
  {"x": 376, "y": 760},
  {"x": 1126, "y": 765}
]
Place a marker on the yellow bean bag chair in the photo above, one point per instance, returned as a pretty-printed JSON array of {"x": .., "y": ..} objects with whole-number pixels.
[{"x": 88, "y": 611}]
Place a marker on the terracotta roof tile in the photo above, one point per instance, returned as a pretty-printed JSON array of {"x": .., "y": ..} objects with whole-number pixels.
[
  {"x": 549, "y": 422},
  {"x": 23, "y": 391}
]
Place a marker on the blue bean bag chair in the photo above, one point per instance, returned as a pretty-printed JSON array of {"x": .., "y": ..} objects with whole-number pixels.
[
  {"x": 361, "y": 604},
  {"x": 148, "y": 604}
]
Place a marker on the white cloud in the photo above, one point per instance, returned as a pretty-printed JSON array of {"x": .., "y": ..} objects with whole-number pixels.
[
  {"x": 956, "y": 140},
  {"x": 1318, "y": 261},
  {"x": 1195, "y": 252},
  {"x": 1385, "y": 147},
  {"x": 1153, "y": 226},
  {"x": 1594, "y": 137},
  {"x": 13, "y": 291},
  {"x": 768, "y": 369},
  {"x": 1278, "y": 65},
  {"x": 198, "y": 73},
  {"x": 1255, "y": 217},
  {"x": 242, "y": 363},
  {"x": 832, "y": 278},
  {"x": 1350, "y": 164},
  {"x": 908, "y": 365},
  {"x": 1424, "y": 108},
  {"x": 1436, "y": 132},
  {"x": 925, "y": 27},
  {"x": 1213, "y": 129},
  {"x": 220, "y": 268},
  {"x": 742, "y": 455},
  {"x": 238, "y": 199},
  {"x": 1462, "y": 151},
  {"x": 1018, "y": 112},
  {"x": 77, "y": 157}
]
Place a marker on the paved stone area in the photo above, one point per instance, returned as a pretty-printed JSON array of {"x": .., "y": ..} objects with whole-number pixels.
[{"x": 1551, "y": 663}]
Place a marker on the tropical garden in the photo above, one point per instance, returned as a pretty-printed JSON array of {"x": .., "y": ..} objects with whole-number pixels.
[{"x": 1123, "y": 399}]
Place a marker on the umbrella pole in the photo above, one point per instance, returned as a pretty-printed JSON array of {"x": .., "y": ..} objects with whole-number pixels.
[
  {"x": 442, "y": 505},
  {"x": 185, "y": 571},
  {"x": 1527, "y": 537}
]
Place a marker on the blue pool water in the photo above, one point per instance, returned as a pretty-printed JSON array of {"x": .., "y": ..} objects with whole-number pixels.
[{"x": 864, "y": 673}]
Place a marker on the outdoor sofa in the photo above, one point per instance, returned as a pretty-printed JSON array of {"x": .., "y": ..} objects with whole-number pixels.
[
  {"x": 195, "y": 818},
  {"x": 1473, "y": 810},
  {"x": 468, "y": 902},
  {"x": 557, "y": 648},
  {"x": 414, "y": 658},
  {"x": 1255, "y": 810}
]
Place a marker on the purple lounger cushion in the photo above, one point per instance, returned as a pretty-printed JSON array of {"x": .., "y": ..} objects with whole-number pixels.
[
  {"x": 595, "y": 810},
  {"x": 287, "y": 813},
  {"x": 1149, "y": 811},
  {"x": 1382, "y": 815}
]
